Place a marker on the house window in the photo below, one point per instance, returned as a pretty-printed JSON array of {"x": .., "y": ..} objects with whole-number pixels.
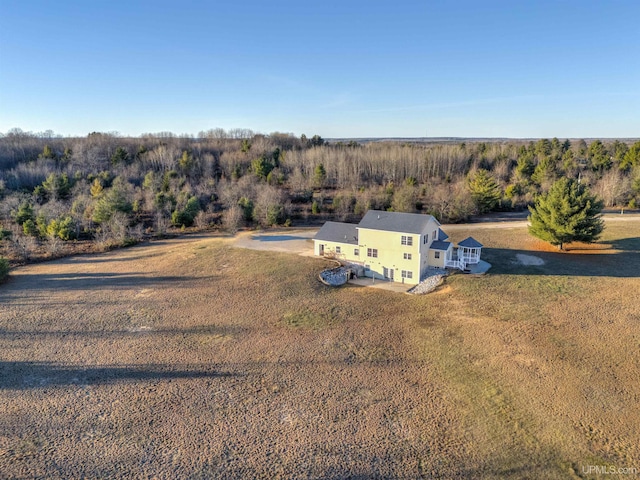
[
  {"x": 356, "y": 252},
  {"x": 437, "y": 254},
  {"x": 407, "y": 274},
  {"x": 338, "y": 250},
  {"x": 425, "y": 239},
  {"x": 406, "y": 240},
  {"x": 372, "y": 252},
  {"x": 407, "y": 256}
]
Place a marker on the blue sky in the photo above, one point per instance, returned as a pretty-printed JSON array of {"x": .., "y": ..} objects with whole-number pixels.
[{"x": 337, "y": 69}]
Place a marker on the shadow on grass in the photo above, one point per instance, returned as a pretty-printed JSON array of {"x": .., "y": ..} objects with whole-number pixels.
[
  {"x": 31, "y": 375},
  {"x": 102, "y": 259},
  {"x": 626, "y": 244},
  {"x": 621, "y": 260},
  {"x": 219, "y": 330},
  {"x": 88, "y": 281}
]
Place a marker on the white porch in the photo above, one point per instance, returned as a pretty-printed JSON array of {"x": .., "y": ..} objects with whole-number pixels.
[
  {"x": 455, "y": 263},
  {"x": 467, "y": 253}
]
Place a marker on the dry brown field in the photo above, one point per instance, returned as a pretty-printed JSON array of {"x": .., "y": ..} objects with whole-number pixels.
[{"x": 190, "y": 358}]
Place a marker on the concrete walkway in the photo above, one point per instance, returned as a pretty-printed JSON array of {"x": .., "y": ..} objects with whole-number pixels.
[{"x": 480, "y": 268}]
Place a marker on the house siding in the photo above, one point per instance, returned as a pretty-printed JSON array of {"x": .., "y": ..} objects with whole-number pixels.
[
  {"x": 390, "y": 253},
  {"x": 438, "y": 262},
  {"x": 346, "y": 250}
]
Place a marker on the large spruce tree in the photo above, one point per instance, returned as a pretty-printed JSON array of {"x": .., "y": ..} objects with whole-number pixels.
[
  {"x": 567, "y": 213},
  {"x": 485, "y": 191}
]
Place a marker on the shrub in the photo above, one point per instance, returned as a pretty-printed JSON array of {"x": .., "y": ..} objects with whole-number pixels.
[
  {"x": 232, "y": 219},
  {"x": 116, "y": 199},
  {"x": 63, "y": 228},
  {"x": 247, "y": 208},
  {"x": 4, "y": 233},
  {"x": 30, "y": 228},
  {"x": 24, "y": 213},
  {"x": 185, "y": 216},
  {"x": 513, "y": 190},
  {"x": 4, "y": 268},
  {"x": 275, "y": 215},
  {"x": 55, "y": 187}
]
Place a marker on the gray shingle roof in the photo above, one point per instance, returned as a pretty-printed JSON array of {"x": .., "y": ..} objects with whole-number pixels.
[
  {"x": 395, "y": 221},
  {"x": 440, "y": 245},
  {"x": 338, "y": 232},
  {"x": 470, "y": 242},
  {"x": 442, "y": 235}
]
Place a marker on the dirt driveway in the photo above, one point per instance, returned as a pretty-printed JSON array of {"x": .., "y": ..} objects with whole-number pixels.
[{"x": 289, "y": 241}]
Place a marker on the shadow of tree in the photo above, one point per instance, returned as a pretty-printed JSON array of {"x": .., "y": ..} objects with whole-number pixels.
[
  {"x": 222, "y": 330},
  {"x": 108, "y": 259},
  {"x": 88, "y": 281},
  {"x": 30, "y": 375},
  {"x": 627, "y": 244},
  {"x": 621, "y": 260}
]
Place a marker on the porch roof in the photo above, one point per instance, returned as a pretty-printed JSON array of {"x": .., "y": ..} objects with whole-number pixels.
[
  {"x": 470, "y": 242},
  {"x": 440, "y": 245},
  {"x": 442, "y": 235}
]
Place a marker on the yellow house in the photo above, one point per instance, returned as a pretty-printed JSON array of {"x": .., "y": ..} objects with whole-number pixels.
[{"x": 389, "y": 245}]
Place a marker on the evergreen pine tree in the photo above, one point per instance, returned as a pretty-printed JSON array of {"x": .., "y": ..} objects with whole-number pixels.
[
  {"x": 319, "y": 175},
  {"x": 120, "y": 156},
  {"x": 485, "y": 191},
  {"x": 567, "y": 213}
]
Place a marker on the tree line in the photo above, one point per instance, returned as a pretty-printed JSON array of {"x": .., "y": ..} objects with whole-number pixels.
[{"x": 105, "y": 189}]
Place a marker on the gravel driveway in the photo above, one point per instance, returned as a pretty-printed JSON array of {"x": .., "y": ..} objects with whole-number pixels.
[{"x": 289, "y": 241}]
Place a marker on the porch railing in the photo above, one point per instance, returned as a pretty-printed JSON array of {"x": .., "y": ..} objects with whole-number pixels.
[
  {"x": 459, "y": 264},
  {"x": 471, "y": 258}
]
